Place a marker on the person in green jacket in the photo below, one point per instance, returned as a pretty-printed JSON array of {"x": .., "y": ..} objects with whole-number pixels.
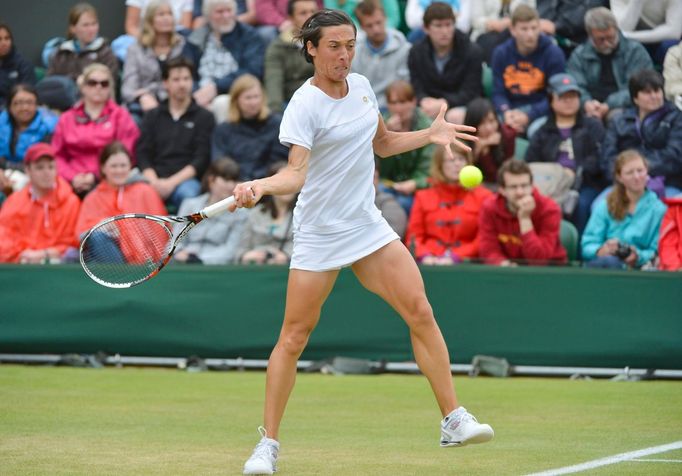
[{"x": 403, "y": 174}]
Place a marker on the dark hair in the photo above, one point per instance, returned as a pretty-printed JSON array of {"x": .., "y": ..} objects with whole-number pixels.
[
  {"x": 5, "y": 26},
  {"x": 115, "y": 147},
  {"x": 176, "y": 63},
  {"x": 367, "y": 8},
  {"x": 291, "y": 3},
  {"x": 312, "y": 28},
  {"x": 267, "y": 202},
  {"x": 514, "y": 167},
  {"x": 644, "y": 79},
  {"x": 477, "y": 110},
  {"x": 225, "y": 168},
  {"x": 438, "y": 11}
]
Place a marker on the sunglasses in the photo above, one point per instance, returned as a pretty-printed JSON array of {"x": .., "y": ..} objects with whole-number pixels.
[{"x": 93, "y": 82}]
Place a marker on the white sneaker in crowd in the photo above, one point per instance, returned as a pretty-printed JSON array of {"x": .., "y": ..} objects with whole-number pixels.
[
  {"x": 264, "y": 457},
  {"x": 461, "y": 428}
]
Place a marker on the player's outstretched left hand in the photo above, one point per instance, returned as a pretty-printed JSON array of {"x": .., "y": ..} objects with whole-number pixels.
[{"x": 445, "y": 133}]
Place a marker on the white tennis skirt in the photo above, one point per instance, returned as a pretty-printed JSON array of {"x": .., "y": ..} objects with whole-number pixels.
[{"x": 315, "y": 251}]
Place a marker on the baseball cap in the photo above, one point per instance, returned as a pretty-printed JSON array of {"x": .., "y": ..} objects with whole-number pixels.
[
  {"x": 38, "y": 151},
  {"x": 562, "y": 83}
]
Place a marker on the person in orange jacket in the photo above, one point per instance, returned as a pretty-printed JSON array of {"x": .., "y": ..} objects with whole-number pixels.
[
  {"x": 37, "y": 223},
  {"x": 518, "y": 224},
  {"x": 114, "y": 195},
  {"x": 443, "y": 227},
  {"x": 670, "y": 242}
]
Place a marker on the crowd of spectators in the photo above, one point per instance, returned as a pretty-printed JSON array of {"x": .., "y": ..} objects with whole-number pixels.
[{"x": 577, "y": 105}]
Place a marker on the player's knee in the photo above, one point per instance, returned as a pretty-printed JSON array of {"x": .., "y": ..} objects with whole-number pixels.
[
  {"x": 294, "y": 341},
  {"x": 420, "y": 312}
]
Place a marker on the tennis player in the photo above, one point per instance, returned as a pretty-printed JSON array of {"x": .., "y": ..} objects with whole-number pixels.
[{"x": 333, "y": 128}]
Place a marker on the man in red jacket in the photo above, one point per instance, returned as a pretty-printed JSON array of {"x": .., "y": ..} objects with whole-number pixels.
[{"x": 518, "y": 223}]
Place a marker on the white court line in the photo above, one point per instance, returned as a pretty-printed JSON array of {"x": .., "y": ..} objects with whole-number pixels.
[
  {"x": 653, "y": 460},
  {"x": 611, "y": 460}
]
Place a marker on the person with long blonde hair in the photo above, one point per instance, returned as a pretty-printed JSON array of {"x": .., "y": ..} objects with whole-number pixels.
[
  {"x": 142, "y": 86},
  {"x": 623, "y": 230}
]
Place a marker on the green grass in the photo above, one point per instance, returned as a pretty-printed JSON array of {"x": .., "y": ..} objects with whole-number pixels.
[{"x": 67, "y": 421}]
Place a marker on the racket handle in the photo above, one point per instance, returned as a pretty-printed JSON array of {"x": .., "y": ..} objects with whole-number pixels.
[{"x": 217, "y": 208}]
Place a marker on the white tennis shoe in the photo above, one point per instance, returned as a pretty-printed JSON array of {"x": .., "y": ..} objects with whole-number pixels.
[
  {"x": 461, "y": 428},
  {"x": 264, "y": 457}
]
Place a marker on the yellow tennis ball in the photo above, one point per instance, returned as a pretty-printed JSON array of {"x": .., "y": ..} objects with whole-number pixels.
[{"x": 470, "y": 176}]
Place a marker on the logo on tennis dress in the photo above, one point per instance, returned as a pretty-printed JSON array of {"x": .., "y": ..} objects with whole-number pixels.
[{"x": 365, "y": 98}]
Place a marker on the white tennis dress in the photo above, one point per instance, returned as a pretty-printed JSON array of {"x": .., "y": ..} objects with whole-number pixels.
[{"x": 335, "y": 220}]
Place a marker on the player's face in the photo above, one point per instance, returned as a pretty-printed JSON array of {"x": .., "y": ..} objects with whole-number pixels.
[
  {"x": 441, "y": 33},
  {"x": 163, "y": 21},
  {"x": 334, "y": 53},
  {"x": 86, "y": 28},
  {"x": 526, "y": 34},
  {"x": 516, "y": 186},
  {"x": 374, "y": 26},
  {"x": 250, "y": 102},
  {"x": 302, "y": 11},
  {"x": 634, "y": 176},
  {"x": 43, "y": 174},
  {"x": 566, "y": 104},
  {"x": 117, "y": 169},
  {"x": 23, "y": 107},
  {"x": 452, "y": 167},
  {"x": 5, "y": 42}
]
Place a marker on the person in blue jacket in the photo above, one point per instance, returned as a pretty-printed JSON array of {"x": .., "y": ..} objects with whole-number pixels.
[{"x": 623, "y": 230}]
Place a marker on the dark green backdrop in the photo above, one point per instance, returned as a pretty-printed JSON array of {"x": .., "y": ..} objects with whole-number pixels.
[{"x": 531, "y": 316}]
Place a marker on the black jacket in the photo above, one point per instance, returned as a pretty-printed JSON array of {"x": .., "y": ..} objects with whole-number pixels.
[
  {"x": 586, "y": 136},
  {"x": 14, "y": 69},
  {"x": 461, "y": 78},
  {"x": 167, "y": 146}
]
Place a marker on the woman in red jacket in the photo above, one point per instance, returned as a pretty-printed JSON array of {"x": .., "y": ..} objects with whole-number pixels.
[{"x": 443, "y": 227}]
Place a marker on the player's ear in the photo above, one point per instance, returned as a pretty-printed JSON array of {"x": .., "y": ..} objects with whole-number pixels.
[{"x": 312, "y": 50}]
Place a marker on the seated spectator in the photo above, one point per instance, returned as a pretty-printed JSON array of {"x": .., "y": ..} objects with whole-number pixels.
[
  {"x": 445, "y": 67},
  {"x": 213, "y": 241},
  {"x": 672, "y": 72},
  {"x": 443, "y": 227},
  {"x": 268, "y": 235},
  {"x": 653, "y": 127},
  {"x": 222, "y": 50},
  {"x": 389, "y": 206},
  {"x": 518, "y": 223},
  {"x": 496, "y": 142},
  {"x": 136, "y": 13},
  {"x": 403, "y": 174},
  {"x": 380, "y": 52},
  {"x": 250, "y": 135},
  {"x": 572, "y": 141},
  {"x": 656, "y": 23},
  {"x": 670, "y": 242},
  {"x": 563, "y": 19},
  {"x": 83, "y": 47},
  {"x": 246, "y": 13},
  {"x": 37, "y": 223},
  {"x": 286, "y": 69},
  {"x": 415, "y": 9},
  {"x": 623, "y": 229},
  {"x": 141, "y": 87},
  {"x": 14, "y": 68},
  {"x": 390, "y": 8},
  {"x": 117, "y": 193},
  {"x": 84, "y": 130},
  {"x": 174, "y": 149},
  {"x": 521, "y": 67},
  {"x": 273, "y": 17},
  {"x": 23, "y": 124},
  {"x": 603, "y": 64},
  {"x": 490, "y": 22}
]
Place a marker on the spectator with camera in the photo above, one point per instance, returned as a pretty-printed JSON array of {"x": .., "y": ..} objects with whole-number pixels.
[{"x": 623, "y": 230}]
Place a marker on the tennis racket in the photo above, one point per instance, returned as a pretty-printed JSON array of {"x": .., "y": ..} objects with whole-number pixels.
[{"x": 126, "y": 250}]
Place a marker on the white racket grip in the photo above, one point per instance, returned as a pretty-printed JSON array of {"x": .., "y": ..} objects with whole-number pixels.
[{"x": 217, "y": 208}]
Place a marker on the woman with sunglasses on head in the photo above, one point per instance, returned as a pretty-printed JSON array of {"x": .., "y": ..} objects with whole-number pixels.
[
  {"x": 84, "y": 130},
  {"x": 333, "y": 127}
]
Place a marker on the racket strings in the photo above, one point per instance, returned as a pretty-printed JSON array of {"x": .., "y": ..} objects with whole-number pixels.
[{"x": 127, "y": 250}]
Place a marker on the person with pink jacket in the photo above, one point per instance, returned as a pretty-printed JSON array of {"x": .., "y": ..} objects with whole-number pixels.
[{"x": 84, "y": 130}]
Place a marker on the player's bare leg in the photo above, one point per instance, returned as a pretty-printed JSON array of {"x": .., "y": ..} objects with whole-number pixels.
[{"x": 306, "y": 293}]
